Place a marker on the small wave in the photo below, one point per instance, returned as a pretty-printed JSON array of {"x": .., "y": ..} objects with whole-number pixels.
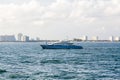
[
  {"x": 83, "y": 53},
  {"x": 26, "y": 62},
  {"x": 18, "y": 76},
  {"x": 2, "y": 71},
  {"x": 39, "y": 73},
  {"x": 51, "y": 61},
  {"x": 61, "y": 77}
]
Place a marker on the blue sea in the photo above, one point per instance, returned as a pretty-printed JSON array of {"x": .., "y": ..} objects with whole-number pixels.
[{"x": 28, "y": 61}]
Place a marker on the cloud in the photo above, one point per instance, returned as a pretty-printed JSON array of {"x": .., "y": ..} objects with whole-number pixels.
[
  {"x": 78, "y": 16},
  {"x": 82, "y": 9}
]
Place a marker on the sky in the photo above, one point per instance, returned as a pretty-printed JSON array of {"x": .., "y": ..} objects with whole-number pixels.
[{"x": 60, "y": 19}]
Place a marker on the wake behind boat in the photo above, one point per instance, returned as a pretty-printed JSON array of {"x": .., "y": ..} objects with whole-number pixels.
[{"x": 61, "y": 45}]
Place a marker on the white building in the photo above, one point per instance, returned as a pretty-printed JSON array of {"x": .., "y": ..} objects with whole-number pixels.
[
  {"x": 7, "y": 38},
  {"x": 84, "y": 38},
  {"x": 37, "y": 39},
  {"x": 95, "y": 38},
  {"x": 20, "y": 35},
  {"x": 25, "y": 38},
  {"x": 117, "y": 39},
  {"x": 111, "y": 38}
]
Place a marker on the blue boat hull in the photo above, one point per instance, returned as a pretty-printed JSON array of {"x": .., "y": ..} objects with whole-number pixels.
[{"x": 61, "y": 47}]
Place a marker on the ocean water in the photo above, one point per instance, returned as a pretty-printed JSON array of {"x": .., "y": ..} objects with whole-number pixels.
[{"x": 28, "y": 61}]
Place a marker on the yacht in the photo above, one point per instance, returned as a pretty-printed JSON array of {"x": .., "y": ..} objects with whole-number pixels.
[{"x": 61, "y": 45}]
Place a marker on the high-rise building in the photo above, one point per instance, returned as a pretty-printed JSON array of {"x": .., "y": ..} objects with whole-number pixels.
[
  {"x": 7, "y": 38},
  {"x": 37, "y": 39},
  {"x": 95, "y": 38},
  {"x": 25, "y": 38},
  {"x": 117, "y": 39},
  {"x": 84, "y": 38},
  {"x": 20, "y": 35},
  {"x": 111, "y": 38}
]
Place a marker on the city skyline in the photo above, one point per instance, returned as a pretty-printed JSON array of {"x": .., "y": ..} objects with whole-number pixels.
[
  {"x": 60, "y": 19},
  {"x": 26, "y": 38}
]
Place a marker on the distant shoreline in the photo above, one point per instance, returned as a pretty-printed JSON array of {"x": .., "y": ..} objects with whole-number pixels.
[{"x": 55, "y": 41}]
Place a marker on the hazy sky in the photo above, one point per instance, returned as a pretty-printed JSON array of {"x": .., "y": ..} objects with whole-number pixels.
[{"x": 58, "y": 19}]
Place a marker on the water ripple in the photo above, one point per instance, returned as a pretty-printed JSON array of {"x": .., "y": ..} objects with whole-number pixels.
[{"x": 27, "y": 61}]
